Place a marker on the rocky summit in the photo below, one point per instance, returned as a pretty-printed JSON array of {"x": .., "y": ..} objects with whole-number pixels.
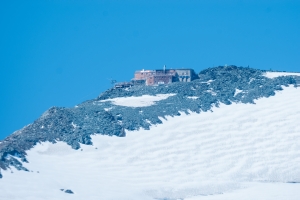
[{"x": 75, "y": 126}]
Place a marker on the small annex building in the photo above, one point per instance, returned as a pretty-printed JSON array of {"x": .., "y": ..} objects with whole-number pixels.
[{"x": 185, "y": 75}]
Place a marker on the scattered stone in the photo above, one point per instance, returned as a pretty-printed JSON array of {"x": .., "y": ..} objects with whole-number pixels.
[{"x": 69, "y": 191}]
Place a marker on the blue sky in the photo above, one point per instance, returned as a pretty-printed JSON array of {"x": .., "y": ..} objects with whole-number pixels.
[{"x": 62, "y": 52}]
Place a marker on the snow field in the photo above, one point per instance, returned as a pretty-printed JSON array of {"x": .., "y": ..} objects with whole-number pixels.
[{"x": 238, "y": 151}]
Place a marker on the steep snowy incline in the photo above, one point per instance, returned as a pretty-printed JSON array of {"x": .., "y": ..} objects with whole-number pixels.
[{"x": 237, "y": 151}]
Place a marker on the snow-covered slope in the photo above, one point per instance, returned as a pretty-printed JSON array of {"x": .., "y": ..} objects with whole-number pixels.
[
  {"x": 237, "y": 151},
  {"x": 231, "y": 134}
]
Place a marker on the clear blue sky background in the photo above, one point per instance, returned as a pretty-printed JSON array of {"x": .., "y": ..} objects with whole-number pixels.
[{"x": 62, "y": 52}]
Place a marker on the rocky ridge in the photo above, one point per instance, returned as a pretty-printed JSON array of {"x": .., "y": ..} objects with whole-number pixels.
[{"x": 75, "y": 125}]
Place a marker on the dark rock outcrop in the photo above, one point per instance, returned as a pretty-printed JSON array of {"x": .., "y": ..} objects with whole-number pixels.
[{"x": 69, "y": 191}]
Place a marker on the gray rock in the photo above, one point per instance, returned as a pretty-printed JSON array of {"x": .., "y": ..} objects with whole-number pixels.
[{"x": 69, "y": 191}]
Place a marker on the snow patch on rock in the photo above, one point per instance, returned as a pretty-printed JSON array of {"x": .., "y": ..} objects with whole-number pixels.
[
  {"x": 277, "y": 74},
  {"x": 141, "y": 101}
]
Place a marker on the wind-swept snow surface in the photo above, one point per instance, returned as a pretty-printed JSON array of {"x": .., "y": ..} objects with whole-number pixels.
[{"x": 238, "y": 151}]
